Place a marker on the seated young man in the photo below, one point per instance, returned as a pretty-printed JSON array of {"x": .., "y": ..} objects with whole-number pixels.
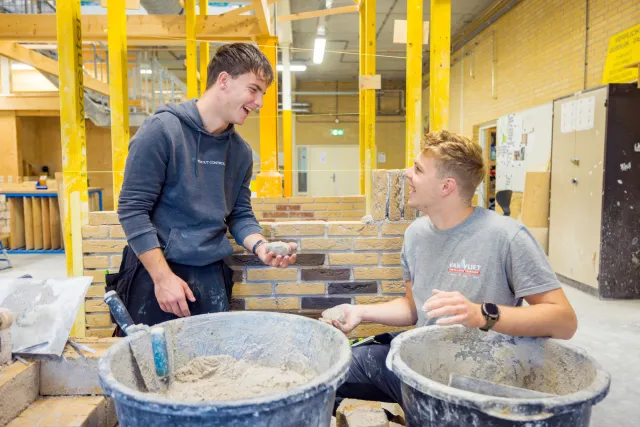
[{"x": 461, "y": 265}]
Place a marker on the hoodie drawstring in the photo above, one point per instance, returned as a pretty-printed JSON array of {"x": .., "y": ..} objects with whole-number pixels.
[{"x": 197, "y": 152}]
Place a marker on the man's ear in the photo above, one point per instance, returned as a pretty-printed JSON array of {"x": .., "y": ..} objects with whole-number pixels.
[
  {"x": 449, "y": 186},
  {"x": 223, "y": 79}
]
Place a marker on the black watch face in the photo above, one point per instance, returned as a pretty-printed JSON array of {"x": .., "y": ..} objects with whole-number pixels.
[{"x": 491, "y": 309}]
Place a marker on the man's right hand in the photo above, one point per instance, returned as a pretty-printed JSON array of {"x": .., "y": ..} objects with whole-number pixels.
[
  {"x": 170, "y": 292},
  {"x": 353, "y": 317}
]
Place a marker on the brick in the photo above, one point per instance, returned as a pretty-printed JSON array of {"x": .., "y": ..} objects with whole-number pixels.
[
  {"x": 103, "y": 246},
  {"x": 374, "y": 299},
  {"x": 397, "y": 228},
  {"x": 116, "y": 232},
  {"x": 89, "y": 411},
  {"x": 95, "y": 231},
  {"x": 338, "y": 207},
  {"x": 390, "y": 259},
  {"x": 279, "y": 200},
  {"x": 245, "y": 260},
  {"x": 98, "y": 320},
  {"x": 98, "y": 276},
  {"x": 95, "y": 306},
  {"x": 359, "y": 206},
  {"x": 301, "y": 215},
  {"x": 247, "y": 289},
  {"x": 353, "y": 229},
  {"x": 264, "y": 274},
  {"x": 301, "y": 288},
  {"x": 100, "y": 332},
  {"x": 308, "y": 228},
  {"x": 310, "y": 260},
  {"x": 266, "y": 230},
  {"x": 325, "y": 244},
  {"x": 368, "y": 329},
  {"x": 103, "y": 218},
  {"x": 275, "y": 215},
  {"x": 323, "y": 302},
  {"x": 237, "y": 304},
  {"x": 237, "y": 276},
  {"x": 389, "y": 273},
  {"x": 328, "y": 199},
  {"x": 353, "y": 288},
  {"x": 384, "y": 244},
  {"x": 301, "y": 200},
  {"x": 314, "y": 207},
  {"x": 116, "y": 260},
  {"x": 353, "y": 199},
  {"x": 95, "y": 261},
  {"x": 396, "y": 195},
  {"x": 279, "y": 303},
  {"x": 287, "y": 207},
  {"x": 263, "y": 208},
  {"x": 95, "y": 291},
  {"x": 326, "y": 274},
  {"x": 353, "y": 413},
  {"x": 379, "y": 192},
  {"x": 20, "y": 383},
  {"x": 393, "y": 288},
  {"x": 408, "y": 213},
  {"x": 354, "y": 259},
  {"x": 256, "y": 201}
]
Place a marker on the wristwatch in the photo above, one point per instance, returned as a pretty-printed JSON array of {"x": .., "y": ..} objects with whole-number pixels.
[{"x": 491, "y": 312}]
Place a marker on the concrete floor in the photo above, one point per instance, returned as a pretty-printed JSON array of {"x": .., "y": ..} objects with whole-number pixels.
[{"x": 608, "y": 330}]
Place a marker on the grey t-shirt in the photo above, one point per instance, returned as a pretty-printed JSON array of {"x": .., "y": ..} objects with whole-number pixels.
[{"x": 487, "y": 258}]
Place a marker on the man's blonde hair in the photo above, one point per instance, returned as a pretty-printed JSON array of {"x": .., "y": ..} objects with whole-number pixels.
[{"x": 457, "y": 157}]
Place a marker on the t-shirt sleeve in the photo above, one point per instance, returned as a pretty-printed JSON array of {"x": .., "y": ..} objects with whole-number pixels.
[
  {"x": 528, "y": 269},
  {"x": 406, "y": 273}
]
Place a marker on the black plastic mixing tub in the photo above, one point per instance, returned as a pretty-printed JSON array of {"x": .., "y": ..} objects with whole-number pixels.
[
  {"x": 425, "y": 357},
  {"x": 272, "y": 339}
]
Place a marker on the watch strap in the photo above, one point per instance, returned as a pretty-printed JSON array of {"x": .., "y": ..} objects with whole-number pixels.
[{"x": 257, "y": 245}]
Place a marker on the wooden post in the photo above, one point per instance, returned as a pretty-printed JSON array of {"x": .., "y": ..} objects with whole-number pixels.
[
  {"x": 414, "y": 80},
  {"x": 439, "y": 64},
  {"x": 204, "y": 51},
  {"x": 119, "y": 92},
  {"x": 74, "y": 147},
  {"x": 369, "y": 98},
  {"x": 192, "y": 49}
]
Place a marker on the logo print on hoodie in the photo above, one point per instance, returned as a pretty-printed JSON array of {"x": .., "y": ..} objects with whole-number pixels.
[{"x": 210, "y": 162}]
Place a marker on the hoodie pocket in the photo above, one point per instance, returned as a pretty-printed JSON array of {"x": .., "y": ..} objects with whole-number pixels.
[{"x": 195, "y": 246}]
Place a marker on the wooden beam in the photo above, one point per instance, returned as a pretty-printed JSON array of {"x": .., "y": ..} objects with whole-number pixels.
[
  {"x": 45, "y": 64},
  {"x": 30, "y": 103},
  {"x": 369, "y": 100},
  {"x": 141, "y": 29},
  {"x": 439, "y": 64},
  {"x": 413, "y": 116},
  {"x": 244, "y": 9},
  {"x": 192, "y": 49},
  {"x": 318, "y": 13},
  {"x": 204, "y": 52},
  {"x": 261, "y": 11}
]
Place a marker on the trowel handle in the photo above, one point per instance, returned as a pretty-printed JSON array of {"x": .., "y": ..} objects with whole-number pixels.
[{"x": 118, "y": 310}]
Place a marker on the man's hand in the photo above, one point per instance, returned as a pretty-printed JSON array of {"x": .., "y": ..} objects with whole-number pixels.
[
  {"x": 170, "y": 292},
  {"x": 353, "y": 317},
  {"x": 270, "y": 258},
  {"x": 454, "y": 304}
]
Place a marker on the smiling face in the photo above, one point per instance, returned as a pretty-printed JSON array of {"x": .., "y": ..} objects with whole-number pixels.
[
  {"x": 240, "y": 96},
  {"x": 427, "y": 186}
]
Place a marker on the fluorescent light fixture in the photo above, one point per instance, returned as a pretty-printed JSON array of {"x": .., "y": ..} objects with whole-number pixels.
[
  {"x": 293, "y": 67},
  {"x": 146, "y": 71},
  {"x": 20, "y": 66},
  {"x": 318, "y": 49}
]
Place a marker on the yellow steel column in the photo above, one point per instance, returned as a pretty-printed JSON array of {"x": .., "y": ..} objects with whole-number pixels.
[
  {"x": 414, "y": 81},
  {"x": 192, "y": 49},
  {"x": 439, "y": 64},
  {"x": 204, "y": 51},
  {"x": 269, "y": 181},
  {"x": 362, "y": 64},
  {"x": 74, "y": 146},
  {"x": 119, "y": 92},
  {"x": 287, "y": 122},
  {"x": 370, "y": 98}
]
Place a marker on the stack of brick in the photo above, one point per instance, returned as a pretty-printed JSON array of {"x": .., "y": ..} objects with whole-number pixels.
[
  {"x": 4, "y": 215},
  {"x": 389, "y": 196},
  {"x": 339, "y": 262},
  {"x": 309, "y": 208}
]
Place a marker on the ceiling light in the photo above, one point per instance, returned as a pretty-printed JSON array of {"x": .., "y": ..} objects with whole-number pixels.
[
  {"x": 20, "y": 66},
  {"x": 292, "y": 67},
  {"x": 318, "y": 49},
  {"x": 146, "y": 71}
]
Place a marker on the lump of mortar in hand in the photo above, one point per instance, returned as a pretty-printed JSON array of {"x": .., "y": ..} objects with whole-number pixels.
[
  {"x": 334, "y": 313},
  {"x": 278, "y": 248}
]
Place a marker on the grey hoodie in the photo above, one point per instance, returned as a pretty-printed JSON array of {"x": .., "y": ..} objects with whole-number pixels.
[{"x": 184, "y": 186}]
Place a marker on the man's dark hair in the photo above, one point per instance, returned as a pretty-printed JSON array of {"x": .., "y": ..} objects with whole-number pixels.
[{"x": 237, "y": 59}]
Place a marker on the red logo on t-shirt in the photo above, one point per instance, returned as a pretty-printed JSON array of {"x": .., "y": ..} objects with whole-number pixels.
[{"x": 464, "y": 269}]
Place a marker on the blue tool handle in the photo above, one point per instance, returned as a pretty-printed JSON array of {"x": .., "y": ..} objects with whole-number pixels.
[
  {"x": 160, "y": 356},
  {"x": 118, "y": 310}
]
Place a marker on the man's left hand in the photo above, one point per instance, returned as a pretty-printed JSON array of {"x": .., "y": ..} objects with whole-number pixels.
[
  {"x": 454, "y": 304},
  {"x": 273, "y": 260}
]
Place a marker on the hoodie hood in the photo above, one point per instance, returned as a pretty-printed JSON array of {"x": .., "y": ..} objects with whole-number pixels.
[{"x": 188, "y": 113}]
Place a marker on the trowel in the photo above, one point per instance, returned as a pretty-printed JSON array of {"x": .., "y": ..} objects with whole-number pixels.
[{"x": 150, "y": 350}]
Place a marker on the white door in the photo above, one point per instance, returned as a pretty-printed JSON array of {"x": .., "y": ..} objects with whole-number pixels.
[{"x": 331, "y": 170}]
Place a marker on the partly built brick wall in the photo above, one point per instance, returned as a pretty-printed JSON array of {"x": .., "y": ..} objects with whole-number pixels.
[
  {"x": 4, "y": 215},
  {"x": 309, "y": 208},
  {"x": 338, "y": 262}
]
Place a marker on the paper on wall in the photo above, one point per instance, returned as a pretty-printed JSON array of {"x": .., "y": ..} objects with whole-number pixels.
[
  {"x": 585, "y": 113},
  {"x": 567, "y": 117}
]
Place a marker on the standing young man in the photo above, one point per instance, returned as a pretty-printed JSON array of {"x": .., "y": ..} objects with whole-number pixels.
[
  {"x": 186, "y": 183},
  {"x": 461, "y": 265}
]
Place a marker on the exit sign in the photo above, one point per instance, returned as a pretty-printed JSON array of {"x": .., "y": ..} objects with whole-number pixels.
[{"x": 337, "y": 132}]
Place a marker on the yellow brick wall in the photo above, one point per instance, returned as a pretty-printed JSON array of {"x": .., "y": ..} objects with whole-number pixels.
[
  {"x": 539, "y": 56},
  {"x": 338, "y": 262},
  {"x": 309, "y": 208}
]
